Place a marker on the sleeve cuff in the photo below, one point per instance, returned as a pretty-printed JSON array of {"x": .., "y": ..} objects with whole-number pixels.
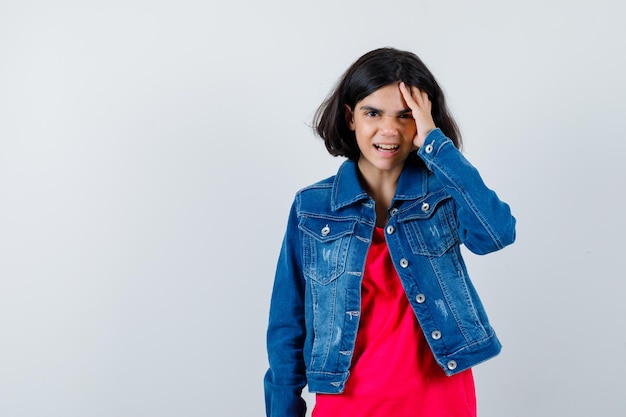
[{"x": 433, "y": 144}]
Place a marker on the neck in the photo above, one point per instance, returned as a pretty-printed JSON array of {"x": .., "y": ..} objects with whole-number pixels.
[{"x": 381, "y": 186}]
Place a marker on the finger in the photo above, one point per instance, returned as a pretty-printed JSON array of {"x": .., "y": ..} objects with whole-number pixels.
[
  {"x": 422, "y": 100},
  {"x": 418, "y": 96},
  {"x": 415, "y": 93},
  {"x": 407, "y": 94}
]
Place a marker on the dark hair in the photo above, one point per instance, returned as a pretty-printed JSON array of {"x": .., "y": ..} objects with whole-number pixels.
[{"x": 374, "y": 70}]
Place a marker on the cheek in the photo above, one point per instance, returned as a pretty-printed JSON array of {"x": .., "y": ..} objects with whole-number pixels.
[
  {"x": 363, "y": 131},
  {"x": 409, "y": 131},
  {"x": 360, "y": 138},
  {"x": 363, "y": 137}
]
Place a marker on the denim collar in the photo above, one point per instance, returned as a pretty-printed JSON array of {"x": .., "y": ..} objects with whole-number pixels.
[{"x": 347, "y": 187}]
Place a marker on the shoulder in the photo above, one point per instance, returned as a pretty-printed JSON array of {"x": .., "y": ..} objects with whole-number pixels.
[
  {"x": 315, "y": 197},
  {"x": 324, "y": 184},
  {"x": 332, "y": 194}
]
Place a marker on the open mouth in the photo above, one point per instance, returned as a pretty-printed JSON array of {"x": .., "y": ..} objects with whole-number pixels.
[{"x": 386, "y": 148}]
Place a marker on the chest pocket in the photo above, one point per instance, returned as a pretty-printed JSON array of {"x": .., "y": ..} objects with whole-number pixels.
[
  {"x": 325, "y": 247},
  {"x": 430, "y": 225}
]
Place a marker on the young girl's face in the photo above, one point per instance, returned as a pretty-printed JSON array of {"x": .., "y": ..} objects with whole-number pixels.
[{"x": 384, "y": 130}]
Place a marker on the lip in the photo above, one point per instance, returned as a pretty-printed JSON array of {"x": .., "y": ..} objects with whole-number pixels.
[{"x": 386, "y": 148}]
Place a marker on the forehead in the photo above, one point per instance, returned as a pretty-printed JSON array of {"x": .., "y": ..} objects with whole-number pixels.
[{"x": 388, "y": 98}]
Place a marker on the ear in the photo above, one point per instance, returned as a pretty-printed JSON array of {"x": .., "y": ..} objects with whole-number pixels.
[{"x": 349, "y": 114}]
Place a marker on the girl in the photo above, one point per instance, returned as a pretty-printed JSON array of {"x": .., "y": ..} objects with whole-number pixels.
[{"x": 372, "y": 306}]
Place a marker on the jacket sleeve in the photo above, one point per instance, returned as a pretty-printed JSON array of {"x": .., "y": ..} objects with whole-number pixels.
[
  {"x": 485, "y": 222},
  {"x": 286, "y": 333}
]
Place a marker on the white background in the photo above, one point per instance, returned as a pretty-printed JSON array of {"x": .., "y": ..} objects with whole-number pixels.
[{"x": 149, "y": 152}]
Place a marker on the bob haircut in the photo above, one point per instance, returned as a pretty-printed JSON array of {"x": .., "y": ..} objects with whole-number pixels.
[{"x": 374, "y": 70}]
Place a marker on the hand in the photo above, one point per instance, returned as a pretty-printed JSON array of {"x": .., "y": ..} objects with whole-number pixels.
[{"x": 421, "y": 108}]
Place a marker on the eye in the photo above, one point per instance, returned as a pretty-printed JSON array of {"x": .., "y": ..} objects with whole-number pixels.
[
  {"x": 372, "y": 113},
  {"x": 405, "y": 116}
]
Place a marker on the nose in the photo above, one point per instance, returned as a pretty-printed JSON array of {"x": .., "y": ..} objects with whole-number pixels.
[{"x": 389, "y": 125}]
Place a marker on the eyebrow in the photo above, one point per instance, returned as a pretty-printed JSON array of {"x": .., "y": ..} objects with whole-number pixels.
[{"x": 370, "y": 108}]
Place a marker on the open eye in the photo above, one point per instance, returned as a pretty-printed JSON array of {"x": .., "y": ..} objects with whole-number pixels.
[
  {"x": 372, "y": 113},
  {"x": 407, "y": 115}
]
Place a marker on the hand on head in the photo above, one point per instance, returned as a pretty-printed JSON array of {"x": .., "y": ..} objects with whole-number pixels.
[{"x": 421, "y": 108}]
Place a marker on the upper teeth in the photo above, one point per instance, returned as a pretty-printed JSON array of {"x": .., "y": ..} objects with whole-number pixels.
[{"x": 387, "y": 147}]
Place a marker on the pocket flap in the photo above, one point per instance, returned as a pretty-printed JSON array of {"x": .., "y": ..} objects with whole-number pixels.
[
  {"x": 325, "y": 229},
  {"x": 424, "y": 208}
]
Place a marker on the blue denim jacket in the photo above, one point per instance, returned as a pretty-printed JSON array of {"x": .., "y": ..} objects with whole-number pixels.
[{"x": 316, "y": 300}]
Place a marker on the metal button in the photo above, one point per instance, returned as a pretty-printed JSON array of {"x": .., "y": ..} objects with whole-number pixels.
[
  {"x": 390, "y": 230},
  {"x": 425, "y": 207},
  {"x": 325, "y": 230},
  {"x": 452, "y": 365},
  {"x": 420, "y": 298},
  {"x": 404, "y": 263},
  {"x": 436, "y": 335},
  {"x": 393, "y": 211},
  {"x": 429, "y": 148}
]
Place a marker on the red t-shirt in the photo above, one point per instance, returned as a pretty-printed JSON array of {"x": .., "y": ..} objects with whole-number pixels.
[{"x": 393, "y": 371}]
